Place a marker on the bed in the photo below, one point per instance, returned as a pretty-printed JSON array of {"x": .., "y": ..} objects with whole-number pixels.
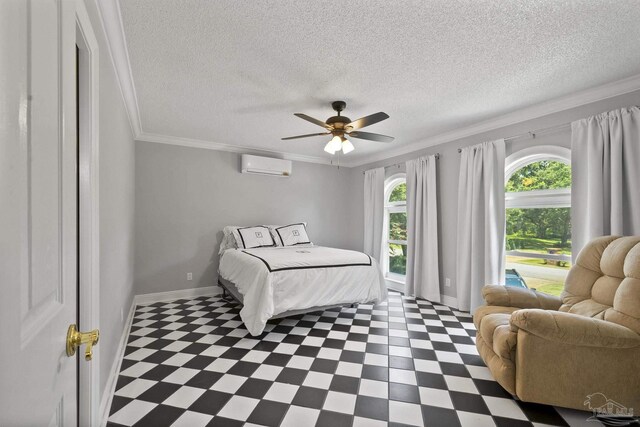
[{"x": 277, "y": 281}]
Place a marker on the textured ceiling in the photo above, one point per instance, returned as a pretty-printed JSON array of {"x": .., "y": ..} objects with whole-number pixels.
[{"x": 234, "y": 72}]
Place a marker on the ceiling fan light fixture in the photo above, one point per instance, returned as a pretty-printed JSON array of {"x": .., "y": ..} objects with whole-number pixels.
[
  {"x": 335, "y": 144},
  {"x": 329, "y": 148},
  {"x": 347, "y": 146},
  {"x": 339, "y": 126}
]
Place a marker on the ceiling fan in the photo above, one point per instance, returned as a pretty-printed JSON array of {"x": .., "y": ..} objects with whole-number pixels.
[{"x": 341, "y": 127}]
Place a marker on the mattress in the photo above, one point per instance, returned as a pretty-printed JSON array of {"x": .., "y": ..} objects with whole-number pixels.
[{"x": 280, "y": 279}]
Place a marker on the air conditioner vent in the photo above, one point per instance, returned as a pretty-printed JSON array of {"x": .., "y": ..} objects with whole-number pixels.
[{"x": 265, "y": 166}]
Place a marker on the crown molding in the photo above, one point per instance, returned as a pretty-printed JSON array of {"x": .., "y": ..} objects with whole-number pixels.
[
  {"x": 218, "y": 146},
  {"x": 567, "y": 102},
  {"x": 111, "y": 19},
  {"x": 588, "y": 96}
]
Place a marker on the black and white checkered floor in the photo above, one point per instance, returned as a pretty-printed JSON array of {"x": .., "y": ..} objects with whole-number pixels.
[{"x": 405, "y": 362}]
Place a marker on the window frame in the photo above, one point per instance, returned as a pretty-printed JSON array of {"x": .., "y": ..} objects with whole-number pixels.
[
  {"x": 392, "y": 207},
  {"x": 554, "y": 198}
]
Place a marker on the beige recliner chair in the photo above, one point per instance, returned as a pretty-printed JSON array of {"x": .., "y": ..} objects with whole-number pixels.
[{"x": 561, "y": 350}]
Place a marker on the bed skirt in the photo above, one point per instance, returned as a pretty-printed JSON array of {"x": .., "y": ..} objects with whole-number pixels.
[{"x": 231, "y": 288}]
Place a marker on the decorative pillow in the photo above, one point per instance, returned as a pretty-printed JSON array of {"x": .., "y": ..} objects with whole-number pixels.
[
  {"x": 274, "y": 234},
  {"x": 232, "y": 240},
  {"x": 253, "y": 237},
  {"x": 293, "y": 234}
]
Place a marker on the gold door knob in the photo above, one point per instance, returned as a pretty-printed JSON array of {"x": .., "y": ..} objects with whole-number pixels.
[{"x": 75, "y": 339}]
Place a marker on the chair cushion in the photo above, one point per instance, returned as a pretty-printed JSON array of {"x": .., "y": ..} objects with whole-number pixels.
[
  {"x": 497, "y": 334},
  {"x": 504, "y": 342},
  {"x": 604, "y": 283},
  {"x": 485, "y": 310},
  {"x": 496, "y": 343},
  {"x": 490, "y": 323}
]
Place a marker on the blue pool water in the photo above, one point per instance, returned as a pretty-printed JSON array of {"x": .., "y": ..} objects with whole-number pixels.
[{"x": 512, "y": 278}]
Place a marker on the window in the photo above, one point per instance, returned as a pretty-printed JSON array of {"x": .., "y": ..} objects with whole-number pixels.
[
  {"x": 395, "y": 229},
  {"x": 538, "y": 218}
]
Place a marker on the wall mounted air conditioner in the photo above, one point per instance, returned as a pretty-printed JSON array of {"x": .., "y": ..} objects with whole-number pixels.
[{"x": 265, "y": 165}]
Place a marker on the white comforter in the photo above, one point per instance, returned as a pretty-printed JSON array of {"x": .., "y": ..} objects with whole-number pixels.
[{"x": 275, "y": 280}]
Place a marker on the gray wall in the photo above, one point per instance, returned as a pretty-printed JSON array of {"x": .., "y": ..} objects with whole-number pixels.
[
  {"x": 185, "y": 196},
  {"x": 448, "y": 170},
  {"x": 116, "y": 207}
]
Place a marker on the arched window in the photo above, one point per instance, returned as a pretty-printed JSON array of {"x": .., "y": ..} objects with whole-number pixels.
[
  {"x": 395, "y": 228},
  {"x": 538, "y": 218}
]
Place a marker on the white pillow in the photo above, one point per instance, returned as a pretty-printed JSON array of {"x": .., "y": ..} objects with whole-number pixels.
[
  {"x": 293, "y": 234},
  {"x": 231, "y": 239},
  {"x": 254, "y": 237},
  {"x": 274, "y": 235}
]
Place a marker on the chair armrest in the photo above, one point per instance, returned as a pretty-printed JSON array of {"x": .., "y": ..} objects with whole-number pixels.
[
  {"x": 574, "y": 329},
  {"x": 508, "y": 296}
]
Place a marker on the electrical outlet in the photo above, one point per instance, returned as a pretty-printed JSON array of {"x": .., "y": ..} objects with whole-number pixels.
[
  {"x": 447, "y": 282},
  {"x": 189, "y": 276}
]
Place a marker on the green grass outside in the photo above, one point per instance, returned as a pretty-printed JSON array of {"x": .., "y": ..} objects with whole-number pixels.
[
  {"x": 537, "y": 262},
  {"x": 533, "y": 244},
  {"x": 398, "y": 261},
  {"x": 551, "y": 289},
  {"x": 545, "y": 286},
  {"x": 542, "y": 285}
]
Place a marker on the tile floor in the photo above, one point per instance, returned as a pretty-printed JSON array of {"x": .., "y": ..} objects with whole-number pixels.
[{"x": 404, "y": 362}]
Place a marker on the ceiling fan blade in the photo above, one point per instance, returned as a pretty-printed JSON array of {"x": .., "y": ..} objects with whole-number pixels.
[
  {"x": 312, "y": 120},
  {"x": 305, "y": 136},
  {"x": 371, "y": 136},
  {"x": 367, "y": 121}
]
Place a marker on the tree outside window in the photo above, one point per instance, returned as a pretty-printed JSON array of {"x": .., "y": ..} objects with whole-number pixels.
[
  {"x": 395, "y": 250},
  {"x": 538, "y": 223}
]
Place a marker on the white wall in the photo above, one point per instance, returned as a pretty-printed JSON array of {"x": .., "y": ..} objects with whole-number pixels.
[
  {"x": 448, "y": 170},
  {"x": 116, "y": 206},
  {"x": 185, "y": 196}
]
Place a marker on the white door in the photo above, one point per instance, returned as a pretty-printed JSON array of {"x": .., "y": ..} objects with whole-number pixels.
[{"x": 37, "y": 212}]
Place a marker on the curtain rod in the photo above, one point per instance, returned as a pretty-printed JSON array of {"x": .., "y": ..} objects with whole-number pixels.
[
  {"x": 437, "y": 155},
  {"x": 535, "y": 133}
]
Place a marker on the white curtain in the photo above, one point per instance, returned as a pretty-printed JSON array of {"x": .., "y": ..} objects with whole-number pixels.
[
  {"x": 481, "y": 222},
  {"x": 605, "y": 168},
  {"x": 373, "y": 212},
  {"x": 423, "y": 275}
]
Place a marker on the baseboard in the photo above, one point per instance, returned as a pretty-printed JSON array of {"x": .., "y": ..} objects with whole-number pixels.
[
  {"x": 144, "y": 299},
  {"x": 449, "y": 301},
  {"x": 395, "y": 288},
  {"x": 110, "y": 387},
  {"x": 444, "y": 299}
]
